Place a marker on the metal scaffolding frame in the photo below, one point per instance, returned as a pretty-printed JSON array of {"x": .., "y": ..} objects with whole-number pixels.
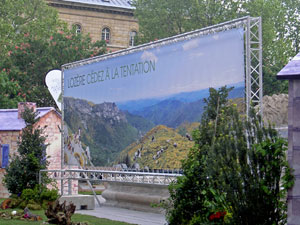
[
  {"x": 252, "y": 57},
  {"x": 254, "y": 86},
  {"x": 253, "y": 53}
]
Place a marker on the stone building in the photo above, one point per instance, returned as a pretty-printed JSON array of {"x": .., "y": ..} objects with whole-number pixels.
[
  {"x": 11, "y": 124},
  {"x": 109, "y": 20}
]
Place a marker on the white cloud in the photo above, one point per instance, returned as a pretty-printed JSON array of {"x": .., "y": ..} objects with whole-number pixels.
[
  {"x": 196, "y": 54},
  {"x": 149, "y": 56},
  {"x": 190, "y": 45},
  {"x": 216, "y": 37}
]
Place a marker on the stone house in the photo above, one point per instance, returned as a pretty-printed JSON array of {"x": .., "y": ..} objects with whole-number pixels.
[
  {"x": 109, "y": 20},
  {"x": 11, "y": 125}
]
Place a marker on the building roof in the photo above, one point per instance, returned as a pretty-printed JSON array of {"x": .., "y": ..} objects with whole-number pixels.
[
  {"x": 291, "y": 70},
  {"x": 125, "y": 4},
  {"x": 9, "y": 118}
]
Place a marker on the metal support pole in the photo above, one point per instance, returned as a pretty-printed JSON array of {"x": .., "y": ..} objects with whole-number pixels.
[
  {"x": 260, "y": 67},
  {"x": 248, "y": 67}
]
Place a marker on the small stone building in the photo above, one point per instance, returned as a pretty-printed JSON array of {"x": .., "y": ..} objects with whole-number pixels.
[
  {"x": 11, "y": 125},
  {"x": 109, "y": 20}
]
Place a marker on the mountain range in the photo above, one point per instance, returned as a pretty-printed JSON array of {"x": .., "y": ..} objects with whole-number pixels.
[
  {"x": 104, "y": 128},
  {"x": 109, "y": 128}
]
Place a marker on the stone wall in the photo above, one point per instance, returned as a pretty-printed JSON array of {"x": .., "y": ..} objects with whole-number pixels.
[
  {"x": 53, "y": 122},
  {"x": 135, "y": 196},
  {"x": 11, "y": 138},
  {"x": 92, "y": 22}
]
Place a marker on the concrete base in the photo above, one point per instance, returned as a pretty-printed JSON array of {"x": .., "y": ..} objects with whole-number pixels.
[
  {"x": 80, "y": 201},
  {"x": 139, "y": 197}
]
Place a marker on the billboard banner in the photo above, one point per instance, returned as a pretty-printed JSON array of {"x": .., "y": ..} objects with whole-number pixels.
[{"x": 136, "y": 106}]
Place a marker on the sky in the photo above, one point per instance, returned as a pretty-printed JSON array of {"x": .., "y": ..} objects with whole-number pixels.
[{"x": 183, "y": 66}]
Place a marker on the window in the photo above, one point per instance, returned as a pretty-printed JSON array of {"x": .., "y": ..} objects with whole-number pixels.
[
  {"x": 132, "y": 37},
  {"x": 106, "y": 34},
  {"x": 77, "y": 28},
  {"x": 4, "y": 155}
]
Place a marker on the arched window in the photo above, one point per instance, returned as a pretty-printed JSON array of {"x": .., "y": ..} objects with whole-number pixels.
[
  {"x": 106, "y": 34},
  {"x": 77, "y": 28},
  {"x": 132, "y": 36}
]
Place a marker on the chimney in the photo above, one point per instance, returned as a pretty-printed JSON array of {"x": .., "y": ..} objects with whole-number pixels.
[{"x": 22, "y": 105}]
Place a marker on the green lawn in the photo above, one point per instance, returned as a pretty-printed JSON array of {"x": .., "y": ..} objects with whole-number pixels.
[{"x": 76, "y": 218}]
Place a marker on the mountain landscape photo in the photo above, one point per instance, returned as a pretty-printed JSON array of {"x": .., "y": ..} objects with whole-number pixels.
[{"x": 113, "y": 131}]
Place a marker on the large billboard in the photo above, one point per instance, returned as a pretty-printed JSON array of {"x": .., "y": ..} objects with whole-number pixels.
[{"x": 123, "y": 104}]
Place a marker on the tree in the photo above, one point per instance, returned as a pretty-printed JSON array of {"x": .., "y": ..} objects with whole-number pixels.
[
  {"x": 280, "y": 21},
  {"x": 30, "y": 60},
  {"x": 27, "y": 16},
  {"x": 33, "y": 42},
  {"x": 10, "y": 93},
  {"x": 237, "y": 167},
  {"x": 23, "y": 170}
]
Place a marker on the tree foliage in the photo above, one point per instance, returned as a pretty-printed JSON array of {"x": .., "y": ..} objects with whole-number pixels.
[
  {"x": 33, "y": 42},
  {"x": 23, "y": 170},
  {"x": 237, "y": 166},
  {"x": 30, "y": 60},
  {"x": 10, "y": 93},
  {"x": 280, "y": 21},
  {"x": 26, "y": 16}
]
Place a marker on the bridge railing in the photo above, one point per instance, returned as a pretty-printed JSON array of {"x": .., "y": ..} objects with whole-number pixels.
[{"x": 111, "y": 176}]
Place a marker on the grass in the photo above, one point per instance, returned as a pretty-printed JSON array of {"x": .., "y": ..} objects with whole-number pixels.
[{"x": 75, "y": 218}]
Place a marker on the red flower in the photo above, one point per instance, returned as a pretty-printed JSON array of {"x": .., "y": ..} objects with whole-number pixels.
[
  {"x": 51, "y": 37},
  {"x": 211, "y": 217},
  {"x": 16, "y": 47},
  {"x": 217, "y": 215}
]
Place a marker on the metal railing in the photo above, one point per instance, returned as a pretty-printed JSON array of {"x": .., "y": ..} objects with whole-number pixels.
[{"x": 111, "y": 176}]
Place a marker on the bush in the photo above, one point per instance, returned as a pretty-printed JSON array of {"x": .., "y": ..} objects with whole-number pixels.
[
  {"x": 237, "y": 166},
  {"x": 49, "y": 195},
  {"x": 35, "y": 199},
  {"x": 29, "y": 194},
  {"x": 23, "y": 171}
]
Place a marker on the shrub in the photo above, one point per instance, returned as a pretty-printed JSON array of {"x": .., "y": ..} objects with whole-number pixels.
[
  {"x": 49, "y": 195},
  {"x": 23, "y": 171},
  {"x": 237, "y": 166},
  {"x": 29, "y": 194}
]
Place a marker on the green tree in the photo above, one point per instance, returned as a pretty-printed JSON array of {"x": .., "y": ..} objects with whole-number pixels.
[
  {"x": 237, "y": 166},
  {"x": 23, "y": 170},
  {"x": 10, "y": 93},
  {"x": 30, "y": 60},
  {"x": 33, "y": 41},
  {"x": 280, "y": 21},
  {"x": 19, "y": 17}
]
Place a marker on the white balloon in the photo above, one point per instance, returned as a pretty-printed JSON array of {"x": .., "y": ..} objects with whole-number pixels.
[{"x": 53, "y": 82}]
